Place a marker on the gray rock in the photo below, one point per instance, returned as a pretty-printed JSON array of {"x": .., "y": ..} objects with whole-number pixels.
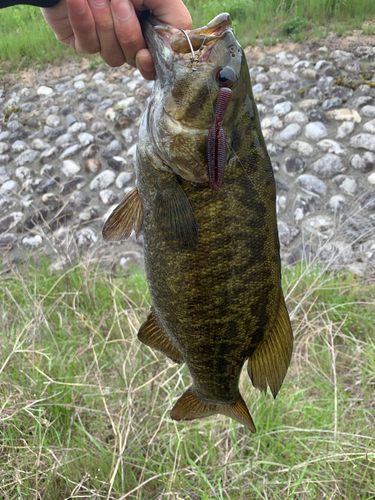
[
  {"x": 287, "y": 233},
  {"x": 8, "y": 240},
  {"x": 98, "y": 127},
  {"x": 357, "y": 227},
  {"x": 79, "y": 200},
  {"x": 6, "y": 204},
  {"x": 26, "y": 157},
  {"x": 315, "y": 131},
  {"x": 70, "y": 120},
  {"x": 5, "y": 173},
  {"x": 360, "y": 101},
  {"x": 23, "y": 173},
  {"x": 364, "y": 162},
  {"x": 113, "y": 149},
  {"x": 325, "y": 83},
  {"x": 105, "y": 137},
  {"x": 304, "y": 205},
  {"x": 14, "y": 126},
  {"x": 367, "y": 201},
  {"x": 311, "y": 184},
  {"x": 294, "y": 165},
  {"x": 53, "y": 121},
  {"x": 70, "y": 151},
  {"x": 94, "y": 97},
  {"x": 273, "y": 122},
  {"x": 73, "y": 184},
  {"x": 10, "y": 221},
  {"x": 363, "y": 141},
  {"x": 330, "y": 146},
  {"x": 89, "y": 213},
  {"x": 103, "y": 180},
  {"x": 47, "y": 185},
  {"x": 328, "y": 166},
  {"x": 287, "y": 59},
  {"x": 3, "y": 147},
  {"x": 77, "y": 127},
  {"x": 342, "y": 92},
  {"x": 334, "y": 102}
]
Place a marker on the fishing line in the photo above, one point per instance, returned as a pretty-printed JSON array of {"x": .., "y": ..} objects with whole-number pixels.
[{"x": 192, "y": 59}]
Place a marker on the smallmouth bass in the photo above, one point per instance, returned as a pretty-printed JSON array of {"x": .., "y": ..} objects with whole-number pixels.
[{"x": 206, "y": 202}]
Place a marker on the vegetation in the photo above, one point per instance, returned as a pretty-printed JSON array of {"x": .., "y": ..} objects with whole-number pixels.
[
  {"x": 85, "y": 406},
  {"x": 25, "y": 37}
]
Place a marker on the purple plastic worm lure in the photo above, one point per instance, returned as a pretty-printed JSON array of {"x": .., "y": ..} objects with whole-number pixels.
[{"x": 217, "y": 148}]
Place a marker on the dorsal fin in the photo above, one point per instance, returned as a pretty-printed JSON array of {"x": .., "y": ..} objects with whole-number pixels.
[
  {"x": 269, "y": 363},
  {"x": 125, "y": 218},
  {"x": 152, "y": 334},
  {"x": 190, "y": 407}
]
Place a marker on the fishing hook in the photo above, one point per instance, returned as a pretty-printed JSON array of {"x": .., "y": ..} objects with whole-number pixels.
[{"x": 192, "y": 59}]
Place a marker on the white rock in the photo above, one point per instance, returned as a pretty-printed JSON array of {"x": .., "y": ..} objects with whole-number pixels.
[
  {"x": 69, "y": 168},
  {"x": 369, "y": 127},
  {"x": 303, "y": 148},
  {"x": 344, "y": 114},
  {"x": 52, "y": 121},
  {"x": 308, "y": 104},
  {"x": 44, "y": 91},
  {"x": 330, "y": 146},
  {"x": 77, "y": 127},
  {"x": 103, "y": 180},
  {"x": 282, "y": 108},
  {"x": 368, "y": 111},
  {"x": 132, "y": 151},
  {"x": 345, "y": 129},
  {"x": 273, "y": 122},
  {"x": 110, "y": 114},
  {"x": 320, "y": 226},
  {"x": 287, "y": 59},
  {"x": 22, "y": 173},
  {"x": 85, "y": 138},
  {"x": 296, "y": 117},
  {"x": 107, "y": 196},
  {"x": 79, "y": 77},
  {"x": 3, "y": 147},
  {"x": 126, "y": 103},
  {"x": 32, "y": 241},
  {"x": 9, "y": 186},
  {"x": 27, "y": 156},
  {"x": 301, "y": 65},
  {"x": 98, "y": 76},
  {"x": 371, "y": 178},
  {"x": 315, "y": 131},
  {"x": 79, "y": 85},
  {"x": 85, "y": 237},
  {"x": 290, "y": 132},
  {"x": 123, "y": 179}
]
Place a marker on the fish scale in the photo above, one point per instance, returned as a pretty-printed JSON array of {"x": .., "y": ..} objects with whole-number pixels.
[{"x": 211, "y": 250}]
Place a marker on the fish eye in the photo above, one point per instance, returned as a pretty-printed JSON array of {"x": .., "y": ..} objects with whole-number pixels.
[{"x": 225, "y": 77}]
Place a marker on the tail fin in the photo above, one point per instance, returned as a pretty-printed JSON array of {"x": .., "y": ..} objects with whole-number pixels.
[{"x": 190, "y": 407}]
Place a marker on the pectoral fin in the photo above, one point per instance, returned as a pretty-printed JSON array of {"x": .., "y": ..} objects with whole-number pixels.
[
  {"x": 269, "y": 363},
  {"x": 125, "y": 218},
  {"x": 152, "y": 334},
  {"x": 190, "y": 407},
  {"x": 174, "y": 216}
]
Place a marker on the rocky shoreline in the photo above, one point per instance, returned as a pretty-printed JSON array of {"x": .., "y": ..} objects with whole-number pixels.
[{"x": 68, "y": 144}]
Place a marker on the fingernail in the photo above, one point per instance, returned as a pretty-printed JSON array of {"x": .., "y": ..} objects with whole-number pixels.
[
  {"x": 122, "y": 9},
  {"x": 79, "y": 6},
  {"x": 100, "y": 3}
]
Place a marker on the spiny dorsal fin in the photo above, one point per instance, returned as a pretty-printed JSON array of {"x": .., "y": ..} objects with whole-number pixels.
[
  {"x": 175, "y": 217},
  {"x": 125, "y": 218},
  {"x": 190, "y": 407},
  {"x": 153, "y": 335},
  {"x": 269, "y": 363}
]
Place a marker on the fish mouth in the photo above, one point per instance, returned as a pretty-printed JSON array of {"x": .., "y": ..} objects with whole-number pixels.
[{"x": 182, "y": 42}]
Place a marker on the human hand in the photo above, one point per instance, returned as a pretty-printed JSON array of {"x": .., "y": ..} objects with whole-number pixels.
[{"x": 111, "y": 27}]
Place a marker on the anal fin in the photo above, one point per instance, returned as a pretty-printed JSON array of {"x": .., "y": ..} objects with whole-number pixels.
[
  {"x": 125, "y": 218},
  {"x": 152, "y": 334},
  {"x": 270, "y": 362},
  {"x": 190, "y": 407}
]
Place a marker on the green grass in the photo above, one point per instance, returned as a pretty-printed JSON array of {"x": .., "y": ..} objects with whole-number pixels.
[
  {"x": 85, "y": 406},
  {"x": 26, "y": 39}
]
